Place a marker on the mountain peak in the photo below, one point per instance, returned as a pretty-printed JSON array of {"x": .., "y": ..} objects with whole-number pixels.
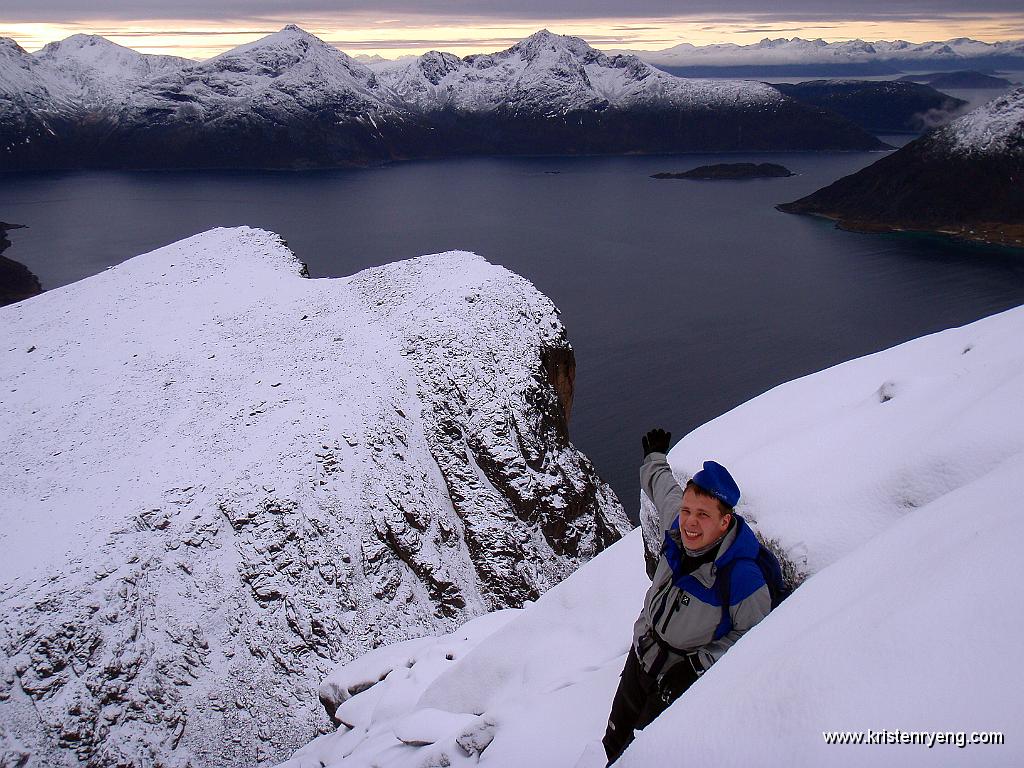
[
  {"x": 82, "y": 42},
  {"x": 546, "y": 40},
  {"x": 289, "y": 36}
]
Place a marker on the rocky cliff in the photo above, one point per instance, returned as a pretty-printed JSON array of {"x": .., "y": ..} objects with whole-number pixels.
[
  {"x": 16, "y": 281},
  {"x": 225, "y": 478}
]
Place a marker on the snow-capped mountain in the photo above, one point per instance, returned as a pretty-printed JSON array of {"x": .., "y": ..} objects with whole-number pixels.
[
  {"x": 222, "y": 478},
  {"x": 555, "y": 75},
  {"x": 288, "y": 95},
  {"x": 921, "y": 186},
  {"x": 288, "y": 71},
  {"x": 292, "y": 100},
  {"x": 103, "y": 73},
  {"x": 891, "y": 479},
  {"x": 859, "y": 56}
]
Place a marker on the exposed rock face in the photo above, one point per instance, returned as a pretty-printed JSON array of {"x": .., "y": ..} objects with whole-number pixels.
[
  {"x": 291, "y": 100},
  {"x": 963, "y": 180},
  {"x": 225, "y": 479},
  {"x": 16, "y": 281}
]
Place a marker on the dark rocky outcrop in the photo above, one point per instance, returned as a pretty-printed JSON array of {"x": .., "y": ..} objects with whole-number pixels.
[
  {"x": 730, "y": 171},
  {"x": 963, "y": 79},
  {"x": 879, "y": 106},
  {"x": 16, "y": 281}
]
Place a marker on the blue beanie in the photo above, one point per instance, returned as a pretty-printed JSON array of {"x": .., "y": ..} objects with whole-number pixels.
[{"x": 716, "y": 480}]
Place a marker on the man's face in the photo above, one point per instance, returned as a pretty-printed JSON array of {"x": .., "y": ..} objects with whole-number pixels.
[{"x": 701, "y": 521}]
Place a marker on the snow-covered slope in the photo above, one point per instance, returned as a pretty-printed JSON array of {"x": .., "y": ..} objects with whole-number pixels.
[
  {"x": 289, "y": 72},
  {"x": 551, "y": 73},
  {"x": 892, "y": 479},
  {"x": 222, "y": 478},
  {"x": 100, "y": 73},
  {"x": 995, "y": 128}
]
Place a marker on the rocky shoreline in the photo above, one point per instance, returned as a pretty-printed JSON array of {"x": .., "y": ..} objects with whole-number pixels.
[
  {"x": 994, "y": 233},
  {"x": 16, "y": 280}
]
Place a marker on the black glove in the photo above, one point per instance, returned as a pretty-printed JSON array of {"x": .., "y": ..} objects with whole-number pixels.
[
  {"x": 680, "y": 677},
  {"x": 656, "y": 441}
]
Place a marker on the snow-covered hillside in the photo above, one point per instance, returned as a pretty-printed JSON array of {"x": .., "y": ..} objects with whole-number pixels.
[
  {"x": 101, "y": 73},
  {"x": 555, "y": 73},
  {"x": 222, "y": 478},
  {"x": 892, "y": 479},
  {"x": 995, "y": 128},
  {"x": 288, "y": 73}
]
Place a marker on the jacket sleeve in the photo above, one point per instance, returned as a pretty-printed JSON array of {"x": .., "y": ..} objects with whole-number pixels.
[
  {"x": 661, "y": 487},
  {"x": 745, "y": 614}
]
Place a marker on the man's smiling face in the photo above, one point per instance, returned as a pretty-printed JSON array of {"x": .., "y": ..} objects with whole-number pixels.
[{"x": 701, "y": 520}]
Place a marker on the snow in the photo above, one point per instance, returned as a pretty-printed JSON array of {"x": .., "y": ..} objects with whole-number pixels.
[
  {"x": 555, "y": 74},
  {"x": 290, "y": 74},
  {"x": 994, "y": 128},
  {"x": 783, "y": 51},
  {"x": 221, "y": 478},
  {"x": 893, "y": 480}
]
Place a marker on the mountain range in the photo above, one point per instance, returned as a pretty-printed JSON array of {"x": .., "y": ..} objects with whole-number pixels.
[
  {"x": 290, "y": 100},
  {"x": 799, "y": 57}
]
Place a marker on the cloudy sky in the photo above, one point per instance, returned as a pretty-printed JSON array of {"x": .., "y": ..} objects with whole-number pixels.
[{"x": 202, "y": 28}]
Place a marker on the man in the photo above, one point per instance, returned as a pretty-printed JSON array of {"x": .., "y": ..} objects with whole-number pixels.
[{"x": 682, "y": 629}]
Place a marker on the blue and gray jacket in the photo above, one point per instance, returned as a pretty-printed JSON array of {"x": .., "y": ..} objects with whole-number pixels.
[{"x": 682, "y": 614}]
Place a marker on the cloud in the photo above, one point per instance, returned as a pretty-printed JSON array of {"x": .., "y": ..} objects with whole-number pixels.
[
  {"x": 759, "y": 30},
  {"x": 23, "y": 11}
]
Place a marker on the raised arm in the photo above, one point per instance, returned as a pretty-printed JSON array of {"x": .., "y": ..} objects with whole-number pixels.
[{"x": 656, "y": 478}]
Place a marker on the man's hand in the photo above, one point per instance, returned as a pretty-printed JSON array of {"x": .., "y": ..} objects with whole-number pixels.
[
  {"x": 656, "y": 441},
  {"x": 678, "y": 679}
]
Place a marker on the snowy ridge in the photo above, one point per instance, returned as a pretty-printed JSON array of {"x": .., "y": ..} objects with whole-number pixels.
[
  {"x": 892, "y": 479},
  {"x": 294, "y": 71},
  {"x": 796, "y": 50},
  {"x": 995, "y": 128},
  {"x": 288, "y": 72},
  {"x": 555, "y": 73},
  {"x": 292, "y": 100},
  {"x": 225, "y": 478}
]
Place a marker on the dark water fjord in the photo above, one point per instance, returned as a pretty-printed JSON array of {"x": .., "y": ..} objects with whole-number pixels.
[{"x": 682, "y": 299}]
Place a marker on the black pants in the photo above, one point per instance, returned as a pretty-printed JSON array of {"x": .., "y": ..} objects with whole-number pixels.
[{"x": 638, "y": 702}]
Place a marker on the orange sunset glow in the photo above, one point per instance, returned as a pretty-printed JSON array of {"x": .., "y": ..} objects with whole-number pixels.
[{"x": 390, "y": 38}]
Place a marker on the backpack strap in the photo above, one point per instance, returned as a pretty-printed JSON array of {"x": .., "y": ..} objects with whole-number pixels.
[{"x": 723, "y": 587}]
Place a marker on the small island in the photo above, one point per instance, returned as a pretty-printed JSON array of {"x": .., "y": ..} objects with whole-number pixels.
[{"x": 731, "y": 171}]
